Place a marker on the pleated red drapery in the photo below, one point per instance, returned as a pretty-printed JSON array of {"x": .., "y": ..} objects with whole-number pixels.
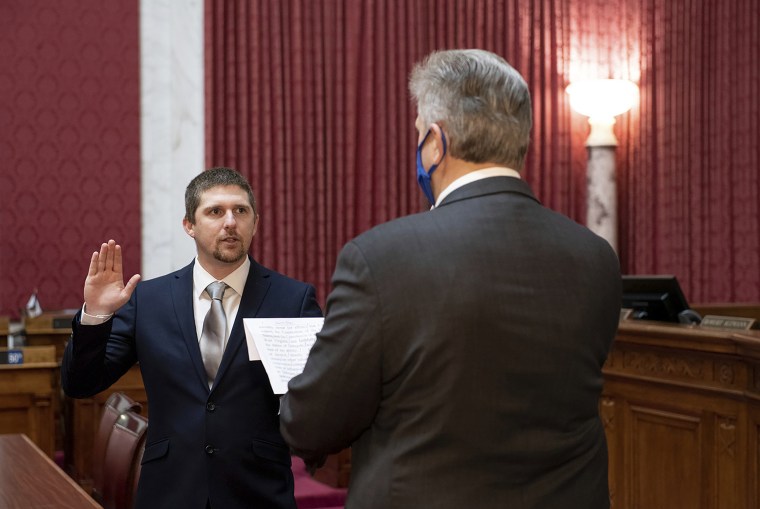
[
  {"x": 689, "y": 197},
  {"x": 309, "y": 99}
]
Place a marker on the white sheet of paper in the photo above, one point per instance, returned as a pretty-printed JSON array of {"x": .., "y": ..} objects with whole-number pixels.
[{"x": 282, "y": 344}]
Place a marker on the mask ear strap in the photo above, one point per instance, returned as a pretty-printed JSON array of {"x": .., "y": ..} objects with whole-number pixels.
[{"x": 424, "y": 139}]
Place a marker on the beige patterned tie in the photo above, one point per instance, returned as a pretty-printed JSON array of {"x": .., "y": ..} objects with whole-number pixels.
[{"x": 214, "y": 331}]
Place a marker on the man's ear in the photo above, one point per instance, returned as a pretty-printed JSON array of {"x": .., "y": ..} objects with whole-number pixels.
[
  {"x": 256, "y": 218},
  {"x": 438, "y": 136},
  {"x": 189, "y": 227}
]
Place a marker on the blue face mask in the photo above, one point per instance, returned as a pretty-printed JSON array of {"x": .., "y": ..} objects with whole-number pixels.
[{"x": 423, "y": 177}]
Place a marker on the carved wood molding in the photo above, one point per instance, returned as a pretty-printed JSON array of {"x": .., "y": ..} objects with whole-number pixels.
[
  {"x": 727, "y": 436},
  {"x": 42, "y": 400},
  {"x": 607, "y": 413},
  {"x": 665, "y": 365},
  {"x": 725, "y": 374},
  {"x": 689, "y": 368},
  {"x": 756, "y": 377}
]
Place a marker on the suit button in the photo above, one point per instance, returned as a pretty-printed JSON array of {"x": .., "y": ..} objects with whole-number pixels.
[
  {"x": 210, "y": 406},
  {"x": 209, "y": 450}
]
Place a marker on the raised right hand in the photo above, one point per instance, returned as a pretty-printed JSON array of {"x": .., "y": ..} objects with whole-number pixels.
[{"x": 104, "y": 289}]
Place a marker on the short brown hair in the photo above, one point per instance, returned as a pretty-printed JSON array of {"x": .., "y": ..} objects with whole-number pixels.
[{"x": 219, "y": 176}]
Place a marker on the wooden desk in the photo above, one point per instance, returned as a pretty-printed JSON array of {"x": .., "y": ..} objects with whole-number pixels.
[
  {"x": 54, "y": 337},
  {"x": 4, "y": 325},
  {"x": 750, "y": 310},
  {"x": 30, "y": 480},
  {"x": 29, "y": 397},
  {"x": 681, "y": 409},
  {"x": 50, "y": 328}
]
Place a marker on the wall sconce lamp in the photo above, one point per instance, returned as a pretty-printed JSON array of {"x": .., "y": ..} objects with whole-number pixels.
[{"x": 601, "y": 101}]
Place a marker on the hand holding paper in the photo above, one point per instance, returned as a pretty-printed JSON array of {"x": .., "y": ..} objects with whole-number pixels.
[{"x": 282, "y": 344}]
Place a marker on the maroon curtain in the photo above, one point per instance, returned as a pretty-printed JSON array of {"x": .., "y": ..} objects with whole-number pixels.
[
  {"x": 309, "y": 99},
  {"x": 689, "y": 187}
]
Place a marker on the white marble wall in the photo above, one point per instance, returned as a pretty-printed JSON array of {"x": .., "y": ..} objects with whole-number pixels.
[
  {"x": 172, "y": 128},
  {"x": 602, "y": 194}
]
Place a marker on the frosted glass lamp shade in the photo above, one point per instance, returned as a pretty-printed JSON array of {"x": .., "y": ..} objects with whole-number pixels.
[
  {"x": 602, "y": 98},
  {"x": 601, "y": 101}
]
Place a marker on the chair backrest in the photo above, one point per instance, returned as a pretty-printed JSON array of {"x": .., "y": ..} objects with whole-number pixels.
[
  {"x": 122, "y": 459},
  {"x": 116, "y": 404},
  {"x": 138, "y": 467}
]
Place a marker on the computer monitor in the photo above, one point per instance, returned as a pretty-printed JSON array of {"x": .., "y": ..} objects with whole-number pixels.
[{"x": 657, "y": 298}]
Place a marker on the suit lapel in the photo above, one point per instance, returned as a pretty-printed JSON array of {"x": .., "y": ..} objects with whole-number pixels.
[
  {"x": 256, "y": 288},
  {"x": 182, "y": 296}
]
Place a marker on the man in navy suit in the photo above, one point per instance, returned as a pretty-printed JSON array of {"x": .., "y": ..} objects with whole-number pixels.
[
  {"x": 213, "y": 438},
  {"x": 461, "y": 355}
]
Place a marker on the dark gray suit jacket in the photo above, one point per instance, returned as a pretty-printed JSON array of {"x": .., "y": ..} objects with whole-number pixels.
[
  {"x": 461, "y": 356},
  {"x": 223, "y": 444}
]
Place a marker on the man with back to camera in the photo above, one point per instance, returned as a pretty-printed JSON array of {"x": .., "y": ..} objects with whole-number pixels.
[
  {"x": 462, "y": 350},
  {"x": 213, "y": 439}
]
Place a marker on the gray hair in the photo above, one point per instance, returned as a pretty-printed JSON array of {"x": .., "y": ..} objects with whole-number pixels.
[
  {"x": 479, "y": 100},
  {"x": 214, "y": 177}
]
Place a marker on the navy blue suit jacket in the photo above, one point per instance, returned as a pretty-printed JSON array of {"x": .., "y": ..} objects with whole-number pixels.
[{"x": 222, "y": 444}]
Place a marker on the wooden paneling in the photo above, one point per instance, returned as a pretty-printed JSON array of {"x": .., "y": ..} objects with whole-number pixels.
[
  {"x": 29, "y": 396},
  {"x": 658, "y": 442},
  {"x": 4, "y": 325},
  {"x": 681, "y": 409},
  {"x": 50, "y": 328},
  {"x": 54, "y": 337}
]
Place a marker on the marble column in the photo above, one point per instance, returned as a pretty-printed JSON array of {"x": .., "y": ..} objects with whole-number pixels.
[
  {"x": 601, "y": 215},
  {"x": 172, "y": 128}
]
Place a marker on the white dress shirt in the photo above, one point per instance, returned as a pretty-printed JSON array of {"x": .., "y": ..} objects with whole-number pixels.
[{"x": 231, "y": 301}]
